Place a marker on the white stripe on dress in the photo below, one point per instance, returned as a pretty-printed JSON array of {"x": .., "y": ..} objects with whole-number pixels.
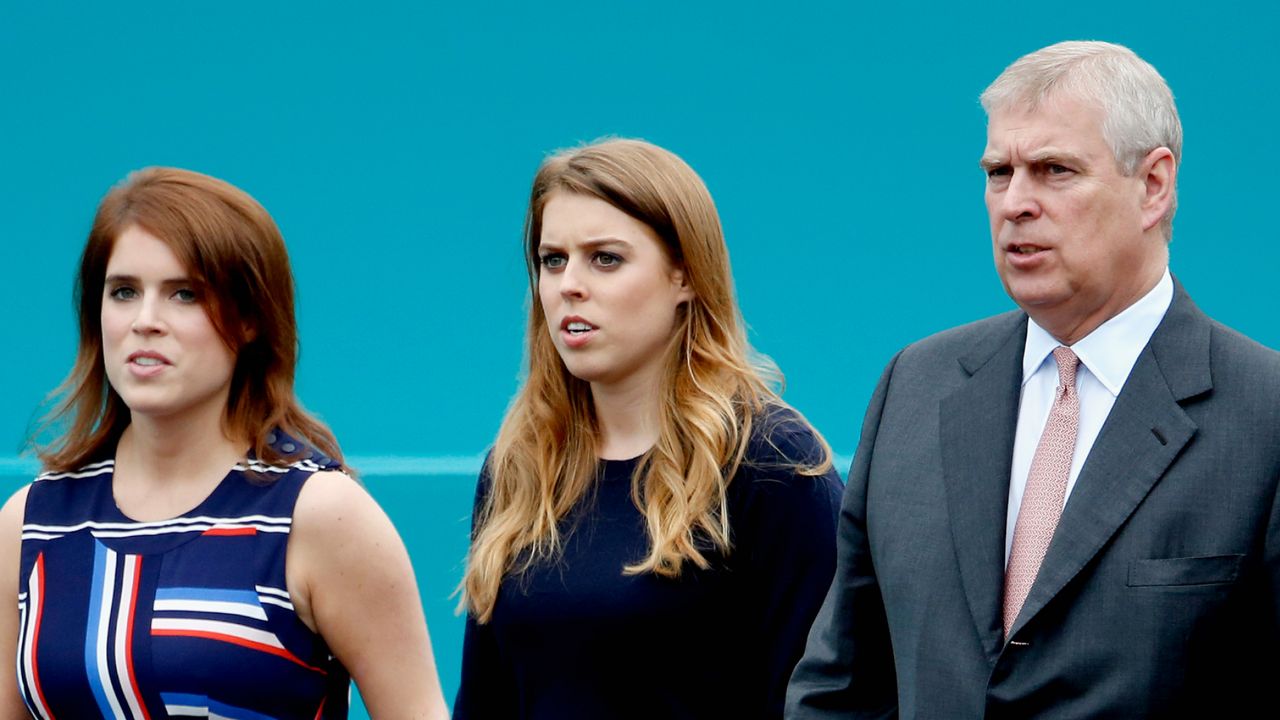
[
  {"x": 104, "y": 625},
  {"x": 122, "y": 637},
  {"x": 220, "y": 607},
  {"x": 217, "y": 626},
  {"x": 199, "y": 519},
  {"x": 89, "y": 470}
]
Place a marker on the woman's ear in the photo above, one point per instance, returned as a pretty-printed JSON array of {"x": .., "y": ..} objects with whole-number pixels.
[{"x": 685, "y": 290}]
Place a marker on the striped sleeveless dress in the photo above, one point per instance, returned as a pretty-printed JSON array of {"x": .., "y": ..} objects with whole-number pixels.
[{"x": 182, "y": 618}]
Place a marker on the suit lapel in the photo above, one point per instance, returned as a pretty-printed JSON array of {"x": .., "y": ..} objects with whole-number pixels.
[
  {"x": 1146, "y": 430},
  {"x": 976, "y": 430}
]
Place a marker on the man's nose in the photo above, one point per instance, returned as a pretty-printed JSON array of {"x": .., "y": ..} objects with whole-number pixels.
[{"x": 1019, "y": 200}]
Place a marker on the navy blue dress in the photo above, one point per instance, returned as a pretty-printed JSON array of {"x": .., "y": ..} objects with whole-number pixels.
[
  {"x": 187, "y": 617},
  {"x": 576, "y": 638}
]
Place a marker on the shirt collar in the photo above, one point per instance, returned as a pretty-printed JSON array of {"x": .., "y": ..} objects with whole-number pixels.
[{"x": 1111, "y": 350}]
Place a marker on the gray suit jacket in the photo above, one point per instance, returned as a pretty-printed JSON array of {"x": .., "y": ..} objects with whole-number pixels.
[{"x": 1160, "y": 593}]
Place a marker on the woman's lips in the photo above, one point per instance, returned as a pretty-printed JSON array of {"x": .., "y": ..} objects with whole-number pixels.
[
  {"x": 147, "y": 363},
  {"x": 576, "y": 332}
]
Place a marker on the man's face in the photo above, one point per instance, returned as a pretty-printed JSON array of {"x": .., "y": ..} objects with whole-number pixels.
[{"x": 1067, "y": 227}]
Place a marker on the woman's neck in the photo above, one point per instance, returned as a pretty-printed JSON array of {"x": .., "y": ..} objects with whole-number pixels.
[
  {"x": 629, "y": 417},
  {"x": 166, "y": 467}
]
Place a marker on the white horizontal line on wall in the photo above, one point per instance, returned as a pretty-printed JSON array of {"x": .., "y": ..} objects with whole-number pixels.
[
  {"x": 416, "y": 464},
  {"x": 369, "y": 465},
  {"x": 19, "y": 466}
]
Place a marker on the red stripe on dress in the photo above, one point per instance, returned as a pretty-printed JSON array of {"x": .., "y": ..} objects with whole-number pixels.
[
  {"x": 231, "y": 531},
  {"x": 35, "y": 637},
  {"x": 278, "y": 652},
  {"x": 320, "y": 710},
  {"x": 128, "y": 641}
]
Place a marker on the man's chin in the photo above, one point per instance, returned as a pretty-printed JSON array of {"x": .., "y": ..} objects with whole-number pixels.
[{"x": 1036, "y": 295}]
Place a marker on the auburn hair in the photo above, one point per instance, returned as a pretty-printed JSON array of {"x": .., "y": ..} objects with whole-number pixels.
[
  {"x": 713, "y": 388},
  {"x": 236, "y": 257}
]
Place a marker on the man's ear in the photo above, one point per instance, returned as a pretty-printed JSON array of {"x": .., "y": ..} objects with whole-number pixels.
[{"x": 1159, "y": 175}]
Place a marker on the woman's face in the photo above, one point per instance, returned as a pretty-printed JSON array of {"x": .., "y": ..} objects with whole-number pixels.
[
  {"x": 162, "y": 353},
  {"x": 607, "y": 289}
]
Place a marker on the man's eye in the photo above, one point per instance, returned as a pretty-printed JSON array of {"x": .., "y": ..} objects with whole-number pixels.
[
  {"x": 1055, "y": 169},
  {"x": 1001, "y": 171}
]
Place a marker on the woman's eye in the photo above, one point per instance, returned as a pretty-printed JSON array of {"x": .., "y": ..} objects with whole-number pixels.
[
  {"x": 185, "y": 295},
  {"x": 605, "y": 259},
  {"x": 552, "y": 261},
  {"x": 123, "y": 292}
]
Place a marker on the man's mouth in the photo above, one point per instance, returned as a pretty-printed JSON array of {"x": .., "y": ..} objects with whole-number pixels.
[{"x": 1025, "y": 249}]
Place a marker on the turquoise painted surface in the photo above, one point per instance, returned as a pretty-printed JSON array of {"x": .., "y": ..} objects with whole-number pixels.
[
  {"x": 434, "y": 517},
  {"x": 395, "y": 144}
]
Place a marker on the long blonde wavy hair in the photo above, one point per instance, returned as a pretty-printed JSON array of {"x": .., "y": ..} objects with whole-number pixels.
[{"x": 544, "y": 460}]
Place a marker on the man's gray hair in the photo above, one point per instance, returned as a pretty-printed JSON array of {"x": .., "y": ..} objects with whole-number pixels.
[{"x": 1137, "y": 106}]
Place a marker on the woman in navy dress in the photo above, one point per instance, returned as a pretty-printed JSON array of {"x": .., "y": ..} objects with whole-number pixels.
[
  {"x": 654, "y": 529},
  {"x": 194, "y": 547}
]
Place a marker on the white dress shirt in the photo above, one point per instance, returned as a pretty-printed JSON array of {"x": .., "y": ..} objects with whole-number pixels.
[{"x": 1107, "y": 355}]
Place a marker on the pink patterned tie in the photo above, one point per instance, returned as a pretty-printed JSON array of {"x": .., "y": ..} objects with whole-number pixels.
[{"x": 1046, "y": 487}]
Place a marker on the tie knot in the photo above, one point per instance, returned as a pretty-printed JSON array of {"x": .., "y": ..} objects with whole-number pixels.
[{"x": 1067, "y": 364}]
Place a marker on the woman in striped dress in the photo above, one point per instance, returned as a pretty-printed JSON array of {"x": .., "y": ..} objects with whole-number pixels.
[{"x": 195, "y": 547}]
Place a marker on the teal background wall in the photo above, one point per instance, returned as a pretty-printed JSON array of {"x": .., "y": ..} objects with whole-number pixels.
[{"x": 394, "y": 145}]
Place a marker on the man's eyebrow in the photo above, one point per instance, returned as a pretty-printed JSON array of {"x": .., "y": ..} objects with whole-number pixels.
[
  {"x": 1049, "y": 155},
  {"x": 1039, "y": 157},
  {"x": 992, "y": 161}
]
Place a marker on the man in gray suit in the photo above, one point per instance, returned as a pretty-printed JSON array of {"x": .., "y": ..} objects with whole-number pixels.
[{"x": 1071, "y": 510}]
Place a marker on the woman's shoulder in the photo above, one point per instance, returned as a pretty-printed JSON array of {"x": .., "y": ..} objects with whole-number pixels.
[
  {"x": 781, "y": 437},
  {"x": 291, "y": 453},
  {"x": 325, "y": 494},
  {"x": 66, "y": 490},
  {"x": 285, "y": 467},
  {"x": 785, "y": 456},
  {"x": 11, "y": 515},
  {"x": 786, "y": 485},
  {"x": 309, "y": 486}
]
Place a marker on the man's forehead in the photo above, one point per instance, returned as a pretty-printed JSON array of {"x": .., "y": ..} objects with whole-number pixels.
[{"x": 1044, "y": 130}]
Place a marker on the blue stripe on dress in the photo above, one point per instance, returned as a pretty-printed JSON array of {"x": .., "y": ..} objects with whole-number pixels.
[
  {"x": 95, "y": 629},
  {"x": 185, "y": 705},
  {"x": 210, "y": 594},
  {"x": 230, "y": 712}
]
